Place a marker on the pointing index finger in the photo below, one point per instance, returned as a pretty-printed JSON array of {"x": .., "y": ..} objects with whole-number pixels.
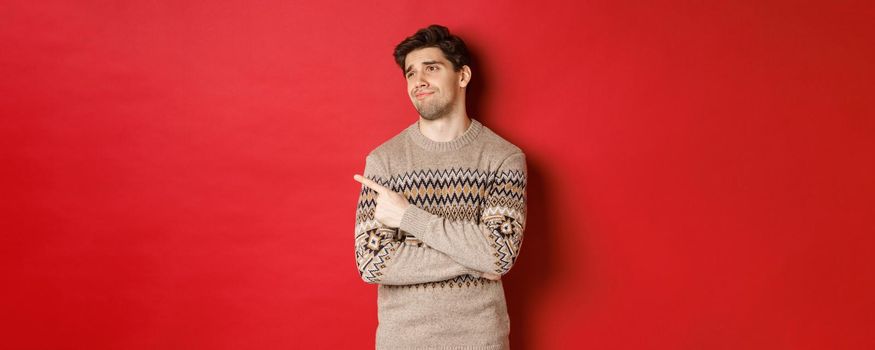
[{"x": 371, "y": 184}]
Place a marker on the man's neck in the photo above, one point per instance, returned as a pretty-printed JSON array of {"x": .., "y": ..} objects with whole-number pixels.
[{"x": 445, "y": 129}]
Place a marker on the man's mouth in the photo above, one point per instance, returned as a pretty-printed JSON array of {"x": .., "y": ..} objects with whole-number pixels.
[{"x": 422, "y": 95}]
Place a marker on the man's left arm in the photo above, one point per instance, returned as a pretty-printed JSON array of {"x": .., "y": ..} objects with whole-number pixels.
[{"x": 492, "y": 245}]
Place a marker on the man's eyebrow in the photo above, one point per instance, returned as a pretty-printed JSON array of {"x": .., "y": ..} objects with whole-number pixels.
[{"x": 423, "y": 63}]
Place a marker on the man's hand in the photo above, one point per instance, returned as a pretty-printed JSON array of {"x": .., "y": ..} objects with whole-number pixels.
[{"x": 390, "y": 204}]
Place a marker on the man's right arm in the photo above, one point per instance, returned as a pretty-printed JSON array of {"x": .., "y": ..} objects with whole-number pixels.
[{"x": 383, "y": 257}]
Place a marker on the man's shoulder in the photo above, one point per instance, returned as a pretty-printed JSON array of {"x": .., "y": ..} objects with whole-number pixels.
[{"x": 498, "y": 145}]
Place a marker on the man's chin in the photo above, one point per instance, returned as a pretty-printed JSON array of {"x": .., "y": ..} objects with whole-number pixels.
[
  {"x": 431, "y": 116},
  {"x": 428, "y": 113}
]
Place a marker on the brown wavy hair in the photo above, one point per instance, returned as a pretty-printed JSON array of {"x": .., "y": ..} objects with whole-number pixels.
[{"x": 452, "y": 46}]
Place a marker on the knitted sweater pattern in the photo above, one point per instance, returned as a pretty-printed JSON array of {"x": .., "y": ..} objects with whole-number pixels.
[{"x": 467, "y": 217}]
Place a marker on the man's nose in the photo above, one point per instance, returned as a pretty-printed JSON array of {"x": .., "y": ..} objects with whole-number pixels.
[{"x": 420, "y": 82}]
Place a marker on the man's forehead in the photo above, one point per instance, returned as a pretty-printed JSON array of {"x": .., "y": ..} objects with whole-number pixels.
[{"x": 428, "y": 54}]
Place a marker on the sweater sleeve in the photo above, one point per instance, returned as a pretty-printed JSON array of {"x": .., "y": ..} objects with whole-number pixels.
[
  {"x": 493, "y": 243},
  {"x": 384, "y": 255}
]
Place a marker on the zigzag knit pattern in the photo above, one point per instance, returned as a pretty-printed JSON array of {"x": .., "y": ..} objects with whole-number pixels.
[{"x": 493, "y": 200}]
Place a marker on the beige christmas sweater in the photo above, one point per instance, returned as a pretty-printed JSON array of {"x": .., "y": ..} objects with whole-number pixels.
[{"x": 467, "y": 217}]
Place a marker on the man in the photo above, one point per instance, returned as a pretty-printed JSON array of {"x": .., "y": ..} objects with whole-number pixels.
[{"x": 442, "y": 210}]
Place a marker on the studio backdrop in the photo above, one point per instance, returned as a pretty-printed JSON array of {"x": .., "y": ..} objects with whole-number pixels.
[{"x": 179, "y": 174}]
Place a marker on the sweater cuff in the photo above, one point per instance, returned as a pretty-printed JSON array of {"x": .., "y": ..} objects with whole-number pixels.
[{"x": 415, "y": 221}]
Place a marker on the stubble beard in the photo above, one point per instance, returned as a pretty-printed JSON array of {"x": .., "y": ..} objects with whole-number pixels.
[{"x": 433, "y": 110}]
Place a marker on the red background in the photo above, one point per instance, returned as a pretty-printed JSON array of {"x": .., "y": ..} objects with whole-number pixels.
[{"x": 178, "y": 175}]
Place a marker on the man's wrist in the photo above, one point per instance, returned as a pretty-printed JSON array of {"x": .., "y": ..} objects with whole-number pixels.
[{"x": 415, "y": 221}]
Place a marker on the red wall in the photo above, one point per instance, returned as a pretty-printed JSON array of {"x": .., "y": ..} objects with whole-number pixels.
[{"x": 179, "y": 175}]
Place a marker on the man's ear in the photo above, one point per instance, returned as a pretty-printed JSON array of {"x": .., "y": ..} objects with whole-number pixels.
[{"x": 465, "y": 76}]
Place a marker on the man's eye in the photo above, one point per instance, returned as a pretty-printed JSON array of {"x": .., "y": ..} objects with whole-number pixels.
[{"x": 432, "y": 68}]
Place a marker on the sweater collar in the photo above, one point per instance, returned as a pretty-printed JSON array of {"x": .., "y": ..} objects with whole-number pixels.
[{"x": 423, "y": 141}]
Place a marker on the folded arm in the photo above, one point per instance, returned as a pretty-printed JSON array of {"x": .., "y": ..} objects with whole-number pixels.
[
  {"x": 490, "y": 245},
  {"x": 385, "y": 256}
]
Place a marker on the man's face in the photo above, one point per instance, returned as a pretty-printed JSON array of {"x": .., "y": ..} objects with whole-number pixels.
[{"x": 432, "y": 84}]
